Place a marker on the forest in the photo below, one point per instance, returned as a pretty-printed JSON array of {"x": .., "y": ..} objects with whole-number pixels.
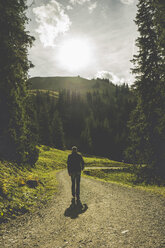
[
  {"x": 95, "y": 120},
  {"x": 109, "y": 120}
]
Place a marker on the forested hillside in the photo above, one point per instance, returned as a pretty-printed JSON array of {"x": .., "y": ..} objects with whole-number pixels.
[
  {"x": 93, "y": 115},
  {"x": 78, "y": 83}
]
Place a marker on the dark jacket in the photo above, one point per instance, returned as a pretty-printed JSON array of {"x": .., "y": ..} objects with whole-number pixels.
[{"x": 75, "y": 163}]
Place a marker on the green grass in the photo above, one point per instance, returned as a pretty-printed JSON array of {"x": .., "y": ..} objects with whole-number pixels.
[
  {"x": 34, "y": 92},
  {"x": 16, "y": 197},
  {"x": 123, "y": 177},
  {"x": 102, "y": 162}
]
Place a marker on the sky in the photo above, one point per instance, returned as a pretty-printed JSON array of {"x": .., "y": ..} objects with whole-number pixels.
[{"x": 89, "y": 38}]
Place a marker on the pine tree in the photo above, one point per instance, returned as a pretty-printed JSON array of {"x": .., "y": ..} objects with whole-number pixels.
[
  {"x": 147, "y": 136},
  {"x": 16, "y": 141},
  {"x": 86, "y": 140},
  {"x": 57, "y": 132}
]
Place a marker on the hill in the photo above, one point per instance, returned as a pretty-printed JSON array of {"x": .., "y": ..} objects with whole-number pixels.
[{"x": 79, "y": 84}]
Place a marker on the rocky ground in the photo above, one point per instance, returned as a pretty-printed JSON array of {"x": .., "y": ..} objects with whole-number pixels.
[{"x": 111, "y": 216}]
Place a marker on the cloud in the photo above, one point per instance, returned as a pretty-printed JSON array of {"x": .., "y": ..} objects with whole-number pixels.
[
  {"x": 69, "y": 7},
  {"x": 109, "y": 75},
  {"x": 92, "y": 7},
  {"x": 81, "y": 2},
  {"x": 52, "y": 22},
  {"x": 128, "y": 2}
]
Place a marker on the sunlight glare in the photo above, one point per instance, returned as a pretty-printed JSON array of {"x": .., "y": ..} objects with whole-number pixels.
[{"x": 75, "y": 54}]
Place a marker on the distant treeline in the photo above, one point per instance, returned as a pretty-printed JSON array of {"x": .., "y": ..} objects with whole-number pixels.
[{"x": 96, "y": 122}]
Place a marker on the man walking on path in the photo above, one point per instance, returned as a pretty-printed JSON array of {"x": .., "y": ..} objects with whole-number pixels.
[{"x": 75, "y": 165}]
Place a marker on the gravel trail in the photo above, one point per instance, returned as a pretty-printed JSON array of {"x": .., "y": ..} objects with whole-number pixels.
[{"x": 112, "y": 216}]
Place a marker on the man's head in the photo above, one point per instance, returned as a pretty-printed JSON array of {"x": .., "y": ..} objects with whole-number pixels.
[{"x": 74, "y": 149}]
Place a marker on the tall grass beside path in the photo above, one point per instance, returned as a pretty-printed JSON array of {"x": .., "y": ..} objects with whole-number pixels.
[
  {"x": 124, "y": 177},
  {"x": 23, "y": 189}
]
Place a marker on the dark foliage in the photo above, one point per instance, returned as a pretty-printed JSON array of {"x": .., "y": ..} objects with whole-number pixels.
[
  {"x": 16, "y": 140},
  {"x": 96, "y": 121},
  {"x": 47, "y": 124},
  {"x": 147, "y": 123}
]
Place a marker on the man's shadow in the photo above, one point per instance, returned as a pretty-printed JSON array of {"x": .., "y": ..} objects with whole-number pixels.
[{"x": 75, "y": 209}]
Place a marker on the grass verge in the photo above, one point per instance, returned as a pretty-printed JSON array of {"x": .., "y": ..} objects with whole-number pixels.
[
  {"x": 124, "y": 177},
  {"x": 92, "y": 161},
  {"x": 22, "y": 189}
]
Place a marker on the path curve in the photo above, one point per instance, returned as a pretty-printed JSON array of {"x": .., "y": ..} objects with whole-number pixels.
[{"x": 114, "y": 216}]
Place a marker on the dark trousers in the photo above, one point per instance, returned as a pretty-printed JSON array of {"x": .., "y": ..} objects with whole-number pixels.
[{"x": 75, "y": 185}]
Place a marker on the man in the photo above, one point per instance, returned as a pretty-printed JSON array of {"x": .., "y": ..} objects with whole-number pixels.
[{"x": 75, "y": 165}]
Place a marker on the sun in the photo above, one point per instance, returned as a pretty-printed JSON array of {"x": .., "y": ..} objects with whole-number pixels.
[{"x": 75, "y": 54}]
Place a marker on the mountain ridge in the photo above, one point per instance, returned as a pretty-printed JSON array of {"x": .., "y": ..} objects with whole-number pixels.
[{"x": 78, "y": 83}]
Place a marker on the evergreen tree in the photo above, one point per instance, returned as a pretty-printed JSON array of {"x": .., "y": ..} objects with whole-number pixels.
[
  {"x": 16, "y": 141},
  {"x": 45, "y": 136},
  {"x": 86, "y": 136},
  {"x": 57, "y": 132},
  {"x": 147, "y": 135}
]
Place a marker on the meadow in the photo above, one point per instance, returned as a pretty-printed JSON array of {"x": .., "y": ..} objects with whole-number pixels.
[{"x": 23, "y": 189}]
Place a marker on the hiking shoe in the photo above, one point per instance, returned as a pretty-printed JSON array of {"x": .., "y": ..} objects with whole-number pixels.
[
  {"x": 79, "y": 203},
  {"x": 73, "y": 201}
]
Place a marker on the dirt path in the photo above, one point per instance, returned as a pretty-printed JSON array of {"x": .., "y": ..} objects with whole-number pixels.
[{"x": 113, "y": 216}]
